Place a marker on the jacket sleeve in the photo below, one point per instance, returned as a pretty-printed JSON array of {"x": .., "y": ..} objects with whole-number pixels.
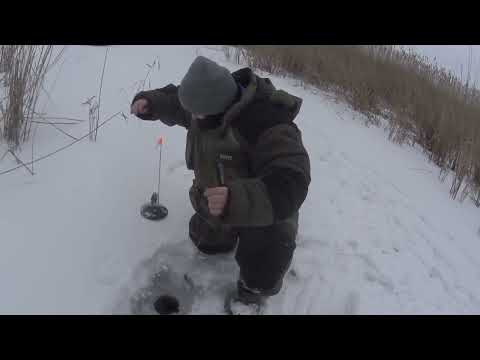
[
  {"x": 163, "y": 105},
  {"x": 281, "y": 179}
]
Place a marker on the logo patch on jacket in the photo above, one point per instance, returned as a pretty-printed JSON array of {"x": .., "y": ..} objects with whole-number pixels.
[{"x": 225, "y": 157}]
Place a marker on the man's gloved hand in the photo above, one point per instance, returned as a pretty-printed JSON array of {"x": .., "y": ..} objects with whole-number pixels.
[
  {"x": 160, "y": 104},
  {"x": 140, "y": 107},
  {"x": 217, "y": 198}
]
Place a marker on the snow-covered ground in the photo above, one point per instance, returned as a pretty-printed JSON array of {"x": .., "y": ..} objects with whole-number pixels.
[{"x": 378, "y": 231}]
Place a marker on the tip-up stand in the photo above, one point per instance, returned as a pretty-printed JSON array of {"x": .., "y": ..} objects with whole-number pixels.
[{"x": 154, "y": 210}]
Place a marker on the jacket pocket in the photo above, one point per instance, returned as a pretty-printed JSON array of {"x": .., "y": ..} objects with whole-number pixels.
[
  {"x": 198, "y": 201},
  {"x": 189, "y": 150},
  {"x": 194, "y": 198}
]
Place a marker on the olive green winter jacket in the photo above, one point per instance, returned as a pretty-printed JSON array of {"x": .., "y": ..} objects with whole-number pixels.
[{"x": 255, "y": 149}]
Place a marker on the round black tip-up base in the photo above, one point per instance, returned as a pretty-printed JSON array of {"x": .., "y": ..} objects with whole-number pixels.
[
  {"x": 154, "y": 211},
  {"x": 166, "y": 305}
]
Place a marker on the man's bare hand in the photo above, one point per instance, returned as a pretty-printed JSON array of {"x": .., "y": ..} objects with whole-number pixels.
[
  {"x": 139, "y": 107},
  {"x": 217, "y": 199}
]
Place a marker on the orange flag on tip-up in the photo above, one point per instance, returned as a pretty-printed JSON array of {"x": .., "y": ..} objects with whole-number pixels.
[{"x": 160, "y": 140}]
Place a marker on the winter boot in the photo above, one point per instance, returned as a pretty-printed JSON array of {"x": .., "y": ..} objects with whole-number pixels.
[{"x": 244, "y": 301}]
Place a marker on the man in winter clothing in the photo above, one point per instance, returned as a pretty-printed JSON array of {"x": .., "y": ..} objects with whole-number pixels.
[{"x": 251, "y": 169}]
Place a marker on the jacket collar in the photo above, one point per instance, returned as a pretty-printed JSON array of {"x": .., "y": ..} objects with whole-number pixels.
[{"x": 248, "y": 80}]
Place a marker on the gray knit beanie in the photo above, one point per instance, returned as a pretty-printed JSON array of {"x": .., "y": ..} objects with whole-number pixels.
[{"x": 207, "y": 88}]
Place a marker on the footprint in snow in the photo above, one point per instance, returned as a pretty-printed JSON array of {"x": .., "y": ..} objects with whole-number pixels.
[
  {"x": 353, "y": 244},
  {"x": 352, "y": 302},
  {"x": 176, "y": 165}
]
